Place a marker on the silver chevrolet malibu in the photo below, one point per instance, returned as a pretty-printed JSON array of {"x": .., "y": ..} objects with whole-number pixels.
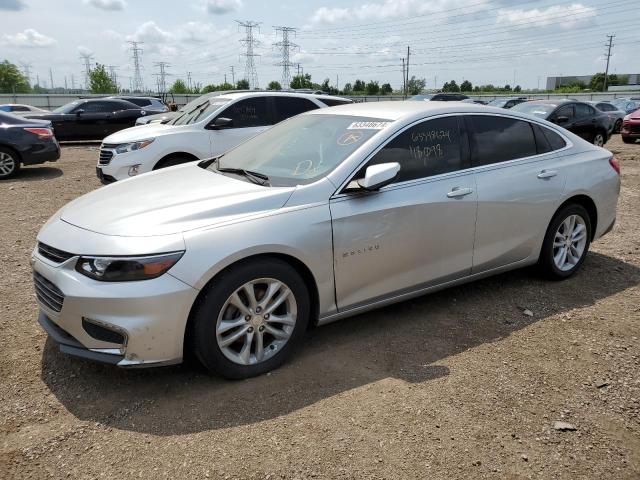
[{"x": 326, "y": 215}]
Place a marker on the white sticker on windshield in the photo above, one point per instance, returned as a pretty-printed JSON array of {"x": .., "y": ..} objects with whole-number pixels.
[{"x": 368, "y": 125}]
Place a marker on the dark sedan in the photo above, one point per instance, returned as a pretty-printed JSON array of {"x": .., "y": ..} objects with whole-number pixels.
[
  {"x": 507, "y": 102},
  {"x": 25, "y": 142},
  {"x": 577, "y": 117},
  {"x": 92, "y": 119}
]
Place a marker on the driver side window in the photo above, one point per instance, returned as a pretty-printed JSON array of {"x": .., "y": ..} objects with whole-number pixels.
[
  {"x": 251, "y": 112},
  {"x": 566, "y": 111},
  {"x": 430, "y": 148}
]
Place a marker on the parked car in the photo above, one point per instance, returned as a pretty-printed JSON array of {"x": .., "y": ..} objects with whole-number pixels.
[
  {"x": 627, "y": 105},
  {"x": 614, "y": 113},
  {"x": 439, "y": 97},
  {"x": 577, "y": 117},
  {"x": 25, "y": 142},
  {"x": 507, "y": 102},
  {"x": 151, "y": 105},
  {"x": 20, "y": 109},
  {"x": 630, "y": 130},
  {"x": 328, "y": 214},
  {"x": 208, "y": 128},
  {"x": 91, "y": 119}
]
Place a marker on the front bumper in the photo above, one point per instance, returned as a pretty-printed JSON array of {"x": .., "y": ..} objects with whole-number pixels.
[
  {"x": 149, "y": 316},
  {"x": 630, "y": 129}
]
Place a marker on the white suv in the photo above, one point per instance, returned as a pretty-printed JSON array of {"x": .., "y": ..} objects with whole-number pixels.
[{"x": 208, "y": 129}]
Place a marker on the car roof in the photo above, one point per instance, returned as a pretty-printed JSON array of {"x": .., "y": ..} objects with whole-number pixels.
[
  {"x": 402, "y": 110},
  {"x": 276, "y": 93}
]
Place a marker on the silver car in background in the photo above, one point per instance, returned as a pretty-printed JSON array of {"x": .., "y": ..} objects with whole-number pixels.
[
  {"x": 328, "y": 214},
  {"x": 614, "y": 113}
]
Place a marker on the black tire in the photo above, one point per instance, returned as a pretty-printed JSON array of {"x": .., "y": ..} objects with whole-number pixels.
[
  {"x": 203, "y": 335},
  {"x": 546, "y": 260},
  {"x": 10, "y": 163},
  {"x": 172, "y": 162},
  {"x": 628, "y": 140},
  {"x": 617, "y": 126}
]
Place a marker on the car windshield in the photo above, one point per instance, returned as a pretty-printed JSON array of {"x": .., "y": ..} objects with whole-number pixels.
[
  {"x": 542, "y": 110},
  {"x": 302, "y": 149},
  {"x": 68, "y": 107},
  {"x": 420, "y": 97},
  {"x": 498, "y": 102},
  {"x": 198, "y": 111}
]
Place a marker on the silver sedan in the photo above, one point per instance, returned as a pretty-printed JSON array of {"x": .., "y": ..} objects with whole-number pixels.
[{"x": 326, "y": 215}]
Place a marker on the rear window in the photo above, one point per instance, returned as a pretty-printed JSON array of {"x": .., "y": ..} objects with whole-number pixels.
[
  {"x": 141, "y": 102},
  {"x": 542, "y": 110},
  {"x": 333, "y": 102},
  {"x": 497, "y": 139}
]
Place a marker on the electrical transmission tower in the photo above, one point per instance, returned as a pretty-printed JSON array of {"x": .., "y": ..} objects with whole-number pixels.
[
  {"x": 136, "y": 52},
  {"x": 162, "y": 76},
  {"x": 285, "y": 47},
  {"x": 26, "y": 69},
  {"x": 86, "y": 58},
  {"x": 250, "y": 42},
  {"x": 112, "y": 74},
  {"x": 608, "y": 55}
]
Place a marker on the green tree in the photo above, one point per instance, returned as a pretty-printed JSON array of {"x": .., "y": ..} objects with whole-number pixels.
[
  {"x": 451, "y": 86},
  {"x": 416, "y": 85},
  {"x": 347, "y": 89},
  {"x": 517, "y": 89},
  {"x": 302, "y": 81},
  {"x": 179, "y": 87},
  {"x": 100, "y": 81},
  {"x": 507, "y": 88},
  {"x": 11, "y": 80},
  {"x": 216, "y": 88},
  {"x": 385, "y": 89},
  {"x": 273, "y": 85},
  {"x": 476, "y": 88},
  {"x": 597, "y": 81},
  {"x": 359, "y": 86},
  {"x": 242, "y": 85},
  {"x": 466, "y": 86},
  {"x": 372, "y": 88}
]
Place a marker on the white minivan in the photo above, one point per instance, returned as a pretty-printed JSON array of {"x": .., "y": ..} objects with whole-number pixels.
[{"x": 207, "y": 129}]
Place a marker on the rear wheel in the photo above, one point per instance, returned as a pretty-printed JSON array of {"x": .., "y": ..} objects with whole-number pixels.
[
  {"x": 617, "y": 126},
  {"x": 599, "y": 139},
  {"x": 9, "y": 163},
  {"x": 251, "y": 319},
  {"x": 566, "y": 242}
]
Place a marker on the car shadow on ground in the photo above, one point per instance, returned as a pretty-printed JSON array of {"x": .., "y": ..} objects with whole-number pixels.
[
  {"x": 34, "y": 174},
  {"x": 404, "y": 341}
]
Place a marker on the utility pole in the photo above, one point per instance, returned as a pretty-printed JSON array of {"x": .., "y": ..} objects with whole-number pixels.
[
  {"x": 37, "y": 79},
  {"x": 51, "y": 77},
  {"x": 250, "y": 42},
  {"x": 65, "y": 84},
  {"x": 435, "y": 82},
  {"x": 73, "y": 82},
  {"x": 162, "y": 75},
  {"x": 26, "y": 68},
  {"x": 189, "y": 80},
  {"x": 136, "y": 52},
  {"x": 86, "y": 58},
  {"x": 606, "y": 71},
  {"x": 407, "y": 82},
  {"x": 404, "y": 80},
  {"x": 337, "y": 83},
  {"x": 233, "y": 75},
  {"x": 285, "y": 47}
]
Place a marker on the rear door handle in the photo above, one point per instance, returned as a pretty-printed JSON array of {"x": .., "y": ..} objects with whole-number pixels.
[
  {"x": 458, "y": 192},
  {"x": 547, "y": 173}
]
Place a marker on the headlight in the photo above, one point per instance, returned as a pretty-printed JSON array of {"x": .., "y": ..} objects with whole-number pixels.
[
  {"x": 127, "y": 269},
  {"x": 132, "y": 147}
]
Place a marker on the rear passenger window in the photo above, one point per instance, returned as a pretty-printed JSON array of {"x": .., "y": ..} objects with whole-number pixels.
[
  {"x": 430, "y": 148},
  {"x": 583, "y": 110},
  {"x": 141, "y": 102},
  {"x": 289, "y": 106},
  {"x": 555, "y": 141},
  {"x": 499, "y": 139},
  {"x": 251, "y": 112},
  {"x": 332, "y": 102}
]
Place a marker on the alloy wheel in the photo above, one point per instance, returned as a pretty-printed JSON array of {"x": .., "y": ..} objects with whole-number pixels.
[
  {"x": 256, "y": 321},
  {"x": 7, "y": 164},
  {"x": 569, "y": 242},
  {"x": 598, "y": 140}
]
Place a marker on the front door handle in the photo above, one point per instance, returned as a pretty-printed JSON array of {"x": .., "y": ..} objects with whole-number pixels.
[
  {"x": 458, "y": 192},
  {"x": 547, "y": 173}
]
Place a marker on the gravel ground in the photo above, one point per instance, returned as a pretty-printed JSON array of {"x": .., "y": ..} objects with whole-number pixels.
[{"x": 459, "y": 384}]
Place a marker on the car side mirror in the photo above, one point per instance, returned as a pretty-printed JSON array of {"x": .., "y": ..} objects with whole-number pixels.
[
  {"x": 377, "y": 176},
  {"x": 221, "y": 123},
  {"x": 79, "y": 112},
  {"x": 561, "y": 119}
]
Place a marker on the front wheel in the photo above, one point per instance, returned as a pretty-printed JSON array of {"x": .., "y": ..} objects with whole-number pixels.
[
  {"x": 251, "y": 319},
  {"x": 9, "y": 163},
  {"x": 617, "y": 126},
  {"x": 171, "y": 162},
  {"x": 598, "y": 139},
  {"x": 566, "y": 242}
]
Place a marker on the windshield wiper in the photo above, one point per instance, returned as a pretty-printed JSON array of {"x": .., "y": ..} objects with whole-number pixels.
[{"x": 255, "y": 177}]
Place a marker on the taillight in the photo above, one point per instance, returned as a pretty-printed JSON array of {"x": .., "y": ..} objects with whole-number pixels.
[
  {"x": 613, "y": 161},
  {"x": 42, "y": 133}
]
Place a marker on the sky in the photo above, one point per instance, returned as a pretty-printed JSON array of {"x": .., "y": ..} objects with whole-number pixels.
[{"x": 519, "y": 42}]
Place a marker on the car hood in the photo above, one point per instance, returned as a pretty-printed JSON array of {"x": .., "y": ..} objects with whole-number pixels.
[
  {"x": 633, "y": 116},
  {"x": 140, "y": 132},
  {"x": 170, "y": 201}
]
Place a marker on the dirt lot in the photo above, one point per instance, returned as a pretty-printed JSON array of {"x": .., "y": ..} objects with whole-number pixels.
[{"x": 460, "y": 384}]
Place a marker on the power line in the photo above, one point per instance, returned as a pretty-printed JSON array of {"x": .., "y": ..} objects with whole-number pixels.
[
  {"x": 26, "y": 68},
  {"x": 250, "y": 42},
  {"x": 285, "y": 46},
  {"x": 606, "y": 72},
  {"x": 86, "y": 58},
  {"x": 137, "y": 85},
  {"x": 162, "y": 75}
]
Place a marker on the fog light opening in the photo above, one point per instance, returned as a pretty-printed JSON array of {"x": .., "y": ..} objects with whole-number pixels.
[
  {"x": 134, "y": 170},
  {"x": 105, "y": 332}
]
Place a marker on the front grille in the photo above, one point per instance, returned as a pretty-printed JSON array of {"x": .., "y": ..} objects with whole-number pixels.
[
  {"x": 47, "y": 293},
  {"x": 634, "y": 128},
  {"x": 105, "y": 156},
  {"x": 53, "y": 254}
]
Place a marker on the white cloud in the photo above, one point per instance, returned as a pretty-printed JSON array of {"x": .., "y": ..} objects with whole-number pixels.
[
  {"x": 84, "y": 50},
  {"x": 14, "y": 5},
  {"x": 565, "y": 16},
  {"x": 107, "y": 4},
  {"x": 220, "y": 7},
  {"x": 150, "y": 32},
  {"x": 200, "y": 33},
  {"x": 29, "y": 38}
]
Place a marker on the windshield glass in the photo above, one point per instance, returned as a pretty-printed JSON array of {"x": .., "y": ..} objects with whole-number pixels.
[
  {"x": 302, "y": 149},
  {"x": 542, "y": 110},
  {"x": 498, "y": 102},
  {"x": 68, "y": 107},
  {"x": 199, "y": 111},
  {"x": 420, "y": 97}
]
